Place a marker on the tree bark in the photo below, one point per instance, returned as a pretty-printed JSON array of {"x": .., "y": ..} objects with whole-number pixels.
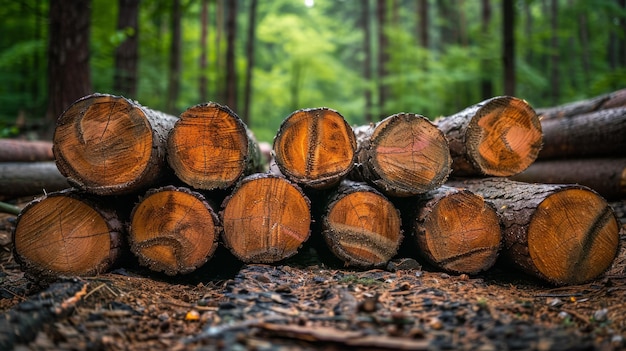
[
  {"x": 173, "y": 230},
  {"x": 15, "y": 150},
  {"x": 601, "y": 102},
  {"x": 210, "y": 147},
  {"x": 173, "y": 82},
  {"x": 315, "y": 147},
  {"x": 67, "y": 233},
  {"x": 204, "y": 34},
  {"x": 126, "y": 54},
  {"x": 383, "y": 58},
  {"x": 18, "y": 179},
  {"x": 266, "y": 219},
  {"x": 250, "y": 65},
  {"x": 361, "y": 226},
  {"x": 508, "y": 46},
  {"x": 500, "y": 137},
  {"x": 231, "y": 69},
  {"x": 402, "y": 155},
  {"x": 564, "y": 234},
  {"x": 110, "y": 145}
]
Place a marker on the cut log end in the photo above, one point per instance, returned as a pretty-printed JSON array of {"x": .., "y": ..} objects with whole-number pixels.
[
  {"x": 504, "y": 137},
  {"x": 573, "y": 236},
  {"x": 208, "y": 147},
  {"x": 173, "y": 230},
  {"x": 315, "y": 147},
  {"x": 266, "y": 219}
]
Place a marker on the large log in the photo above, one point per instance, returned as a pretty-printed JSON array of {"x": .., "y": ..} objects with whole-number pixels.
[
  {"x": 499, "y": 137},
  {"x": 67, "y": 233},
  {"x": 266, "y": 219},
  {"x": 402, "y": 155},
  {"x": 315, "y": 147},
  {"x": 173, "y": 230},
  {"x": 108, "y": 145},
  {"x": 602, "y": 102},
  {"x": 454, "y": 229},
  {"x": 19, "y": 179},
  {"x": 564, "y": 234},
  {"x": 15, "y": 150},
  {"x": 597, "y": 134},
  {"x": 211, "y": 148},
  {"x": 607, "y": 176},
  {"x": 361, "y": 226}
]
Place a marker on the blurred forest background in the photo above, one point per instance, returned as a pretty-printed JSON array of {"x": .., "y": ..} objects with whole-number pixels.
[{"x": 264, "y": 59}]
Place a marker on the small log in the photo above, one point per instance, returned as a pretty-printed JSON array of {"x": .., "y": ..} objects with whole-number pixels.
[
  {"x": 109, "y": 145},
  {"x": 15, "y": 150},
  {"x": 564, "y": 234},
  {"x": 67, "y": 233},
  {"x": 402, "y": 155},
  {"x": 315, "y": 147},
  {"x": 19, "y": 179},
  {"x": 211, "y": 148},
  {"x": 173, "y": 230},
  {"x": 454, "y": 229},
  {"x": 499, "y": 137},
  {"x": 607, "y": 176},
  {"x": 361, "y": 226},
  {"x": 597, "y": 134},
  {"x": 266, "y": 219},
  {"x": 602, "y": 102}
]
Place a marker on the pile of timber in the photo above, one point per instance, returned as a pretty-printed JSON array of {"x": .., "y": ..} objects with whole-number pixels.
[{"x": 169, "y": 190}]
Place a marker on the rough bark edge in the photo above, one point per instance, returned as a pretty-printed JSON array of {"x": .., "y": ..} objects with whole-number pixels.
[
  {"x": 30, "y": 178},
  {"x": 605, "y": 101}
]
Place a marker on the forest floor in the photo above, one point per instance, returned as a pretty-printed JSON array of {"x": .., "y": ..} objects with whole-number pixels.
[{"x": 306, "y": 304}]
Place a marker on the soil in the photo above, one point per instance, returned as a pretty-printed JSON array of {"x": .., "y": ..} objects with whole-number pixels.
[{"x": 309, "y": 303}]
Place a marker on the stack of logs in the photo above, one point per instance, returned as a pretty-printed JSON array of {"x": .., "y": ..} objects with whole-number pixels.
[{"x": 176, "y": 188}]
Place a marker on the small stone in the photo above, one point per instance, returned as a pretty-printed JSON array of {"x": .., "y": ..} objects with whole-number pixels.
[
  {"x": 436, "y": 324},
  {"x": 600, "y": 315},
  {"x": 556, "y": 302}
]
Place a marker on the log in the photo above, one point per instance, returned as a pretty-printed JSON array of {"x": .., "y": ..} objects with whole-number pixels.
[
  {"x": 266, "y": 219},
  {"x": 564, "y": 234},
  {"x": 67, "y": 233},
  {"x": 110, "y": 145},
  {"x": 173, "y": 230},
  {"x": 499, "y": 137},
  {"x": 361, "y": 226},
  {"x": 15, "y": 150},
  {"x": 607, "y": 176},
  {"x": 601, "y": 102},
  {"x": 403, "y": 155},
  {"x": 315, "y": 147},
  {"x": 597, "y": 134},
  {"x": 454, "y": 230},
  {"x": 18, "y": 179},
  {"x": 211, "y": 148}
]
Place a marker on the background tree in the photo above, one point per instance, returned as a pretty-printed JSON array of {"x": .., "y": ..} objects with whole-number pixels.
[
  {"x": 173, "y": 86},
  {"x": 204, "y": 30},
  {"x": 508, "y": 46},
  {"x": 250, "y": 58},
  {"x": 231, "y": 73},
  {"x": 126, "y": 54}
]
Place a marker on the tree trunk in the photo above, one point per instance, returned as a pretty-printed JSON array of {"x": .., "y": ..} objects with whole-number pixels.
[
  {"x": 126, "y": 54},
  {"x": 15, "y": 150},
  {"x": 402, "y": 155},
  {"x": 383, "y": 58},
  {"x": 315, "y": 147},
  {"x": 173, "y": 82},
  {"x": 508, "y": 46},
  {"x": 555, "y": 84},
  {"x": 601, "y": 102},
  {"x": 597, "y": 134},
  {"x": 564, "y": 234},
  {"x": 454, "y": 229},
  {"x": 607, "y": 176},
  {"x": 423, "y": 24},
  {"x": 231, "y": 69},
  {"x": 367, "y": 62},
  {"x": 266, "y": 219},
  {"x": 19, "y": 179},
  {"x": 361, "y": 226},
  {"x": 211, "y": 148},
  {"x": 108, "y": 145},
  {"x": 173, "y": 230},
  {"x": 204, "y": 34},
  {"x": 67, "y": 233},
  {"x": 486, "y": 83},
  {"x": 250, "y": 65},
  {"x": 500, "y": 136}
]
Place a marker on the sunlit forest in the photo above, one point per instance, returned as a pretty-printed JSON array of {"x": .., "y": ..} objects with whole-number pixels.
[{"x": 365, "y": 58}]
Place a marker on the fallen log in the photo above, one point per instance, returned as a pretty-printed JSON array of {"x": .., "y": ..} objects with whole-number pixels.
[
  {"x": 67, "y": 233},
  {"x": 266, "y": 219},
  {"x": 361, "y": 226},
  {"x": 403, "y": 155},
  {"x": 597, "y": 134},
  {"x": 607, "y": 176},
  {"x": 19, "y": 179},
  {"x": 15, "y": 150},
  {"x": 602, "y": 102},
  {"x": 110, "y": 145},
  {"x": 210, "y": 147},
  {"x": 499, "y": 137},
  {"x": 454, "y": 229},
  {"x": 173, "y": 230},
  {"x": 564, "y": 234},
  {"x": 315, "y": 147}
]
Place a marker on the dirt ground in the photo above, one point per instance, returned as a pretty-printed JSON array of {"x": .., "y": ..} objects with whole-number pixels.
[{"x": 308, "y": 304}]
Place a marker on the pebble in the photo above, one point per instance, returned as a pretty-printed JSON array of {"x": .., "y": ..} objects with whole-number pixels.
[{"x": 600, "y": 315}]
